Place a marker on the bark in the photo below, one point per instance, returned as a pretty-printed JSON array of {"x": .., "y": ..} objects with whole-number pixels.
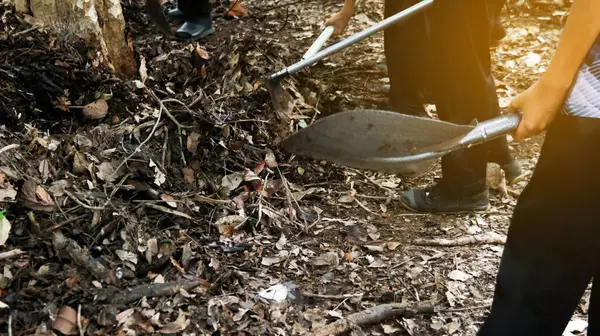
[{"x": 82, "y": 18}]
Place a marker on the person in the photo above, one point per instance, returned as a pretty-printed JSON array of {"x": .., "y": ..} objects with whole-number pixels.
[
  {"x": 443, "y": 52},
  {"x": 552, "y": 250},
  {"x": 197, "y": 18}
]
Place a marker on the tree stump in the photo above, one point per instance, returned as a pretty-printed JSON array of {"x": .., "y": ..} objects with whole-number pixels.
[{"x": 82, "y": 18}]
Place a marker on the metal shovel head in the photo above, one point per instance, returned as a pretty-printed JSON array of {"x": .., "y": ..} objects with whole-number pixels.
[
  {"x": 156, "y": 13},
  {"x": 366, "y": 138}
]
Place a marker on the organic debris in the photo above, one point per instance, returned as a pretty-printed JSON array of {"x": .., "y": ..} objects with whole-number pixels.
[{"x": 161, "y": 203}]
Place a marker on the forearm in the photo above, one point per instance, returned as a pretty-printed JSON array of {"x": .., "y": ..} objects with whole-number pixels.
[
  {"x": 581, "y": 31},
  {"x": 349, "y": 6}
]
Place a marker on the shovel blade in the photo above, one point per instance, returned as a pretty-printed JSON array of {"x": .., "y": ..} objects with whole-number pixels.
[
  {"x": 365, "y": 138},
  {"x": 156, "y": 13}
]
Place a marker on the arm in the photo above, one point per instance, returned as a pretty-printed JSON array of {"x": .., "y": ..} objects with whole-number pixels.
[
  {"x": 543, "y": 100},
  {"x": 581, "y": 31},
  {"x": 340, "y": 20}
]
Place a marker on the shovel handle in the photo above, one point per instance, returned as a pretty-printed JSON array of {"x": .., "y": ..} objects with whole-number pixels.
[
  {"x": 492, "y": 128},
  {"x": 400, "y": 16},
  {"x": 318, "y": 44}
]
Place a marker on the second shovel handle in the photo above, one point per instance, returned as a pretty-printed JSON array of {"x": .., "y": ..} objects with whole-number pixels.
[{"x": 318, "y": 44}]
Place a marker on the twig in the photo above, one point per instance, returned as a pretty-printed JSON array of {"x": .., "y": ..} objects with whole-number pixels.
[
  {"x": 156, "y": 290},
  {"x": 11, "y": 254},
  {"x": 486, "y": 238},
  {"x": 169, "y": 211},
  {"x": 367, "y": 209},
  {"x": 375, "y": 197},
  {"x": 89, "y": 207},
  {"x": 138, "y": 148},
  {"x": 79, "y": 326},
  {"x": 372, "y": 315},
  {"x": 204, "y": 199},
  {"x": 26, "y": 31},
  {"x": 291, "y": 197},
  {"x": 80, "y": 256},
  {"x": 9, "y": 324},
  {"x": 9, "y": 147},
  {"x": 332, "y": 297}
]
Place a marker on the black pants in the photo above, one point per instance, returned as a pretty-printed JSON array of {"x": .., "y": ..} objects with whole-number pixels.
[
  {"x": 446, "y": 52},
  {"x": 553, "y": 245},
  {"x": 194, "y": 9}
]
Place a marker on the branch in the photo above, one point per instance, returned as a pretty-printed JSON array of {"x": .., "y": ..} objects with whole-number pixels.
[
  {"x": 372, "y": 315},
  {"x": 486, "y": 238}
]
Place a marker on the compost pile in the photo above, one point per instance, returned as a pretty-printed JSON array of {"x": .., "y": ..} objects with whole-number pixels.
[{"x": 160, "y": 203}]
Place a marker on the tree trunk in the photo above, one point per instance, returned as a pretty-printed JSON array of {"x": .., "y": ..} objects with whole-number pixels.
[{"x": 82, "y": 18}]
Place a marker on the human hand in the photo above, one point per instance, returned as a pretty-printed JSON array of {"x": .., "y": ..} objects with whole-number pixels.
[
  {"x": 539, "y": 104},
  {"x": 340, "y": 20}
]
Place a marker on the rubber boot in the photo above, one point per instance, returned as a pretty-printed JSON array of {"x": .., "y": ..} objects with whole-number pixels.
[
  {"x": 442, "y": 199},
  {"x": 175, "y": 14},
  {"x": 198, "y": 19}
]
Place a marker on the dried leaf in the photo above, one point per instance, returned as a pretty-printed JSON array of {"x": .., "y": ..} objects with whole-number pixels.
[
  {"x": 4, "y": 229},
  {"x": 458, "y": 275},
  {"x": 392, "y": 245},
  {"x": 36, "y": 198},
  {"x": 202, "y": 52},
  {"x": 80, "y": 163},
  {"x": 189, "y": 176},
  {"x": 96, "y": 110},
  {"x": 259, "y": 168},
  {"x": 532, "y": 59},
  {"x": 105, "y": 171},
  {"x": 270, "y": 160},
  {"x": 236, "y": 11},
  {"x": 192, "y": 142},
  {"x": 374, "y": 248},
  {"x": 7, "y": 193},
  {"x": 281, "y": 242},
  {"x": 143, "y": 70},
  {"x": 267, "y": 261},
  {"x": 127, "y": 256},
  {"x": 66, "y": 321},
  {"x": 232, "y": 181},
  {"x": 327, "y": 259},
  {"x": 170, "y": 200},
  {"x": 43, "y": 196}
]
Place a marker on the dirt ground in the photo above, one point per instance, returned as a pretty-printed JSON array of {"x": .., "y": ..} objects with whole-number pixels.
[{"x": 174, "y": 211}]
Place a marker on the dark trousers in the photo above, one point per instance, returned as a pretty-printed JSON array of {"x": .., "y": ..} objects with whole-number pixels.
[
  {"x": 553, "y": 245},
  {"x": 194, "y": 9},
  {"x": 445, "y": 51}
]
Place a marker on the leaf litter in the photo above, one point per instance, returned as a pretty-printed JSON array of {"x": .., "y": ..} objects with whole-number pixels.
[{"x": 188, "y": 219}]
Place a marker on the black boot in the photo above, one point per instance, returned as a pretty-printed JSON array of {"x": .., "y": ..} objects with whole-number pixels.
[
  {"x": 176, "y": 14},
  {"x": 198, "y": 19},
  {"x": 440, "y": 199},
  {"x": 512, "y": 172},
  {"x": 196, "y": 29}
]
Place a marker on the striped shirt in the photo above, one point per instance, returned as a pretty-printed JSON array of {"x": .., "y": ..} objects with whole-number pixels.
[{"x": 584, "y": 97}]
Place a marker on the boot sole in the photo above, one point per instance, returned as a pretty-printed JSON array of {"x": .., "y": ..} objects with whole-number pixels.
[{"x": 446, "y": 212}]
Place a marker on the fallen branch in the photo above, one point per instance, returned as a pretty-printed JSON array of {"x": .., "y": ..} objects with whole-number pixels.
[
  {"x": 156, "y": 290},
  {"x": 372, "y": 315},
  {"x": 80, "y": 256},
  {"x": 486, "y": 238},
  {"x": 11, "y": 254}
]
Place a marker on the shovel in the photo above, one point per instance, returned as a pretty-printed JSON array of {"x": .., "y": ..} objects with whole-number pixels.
[
  {"x": 391, "y": 142},
  {"x": 283, "y": 101},
  {"x": 156, "y": 13}
]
